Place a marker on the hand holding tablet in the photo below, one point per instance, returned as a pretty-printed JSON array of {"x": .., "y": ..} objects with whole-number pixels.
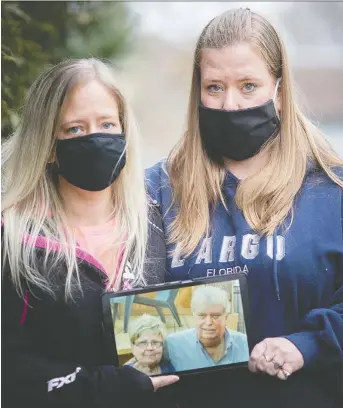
[
  {"x": 163, "y": 381},
  {"x": 179, "y": 327}
]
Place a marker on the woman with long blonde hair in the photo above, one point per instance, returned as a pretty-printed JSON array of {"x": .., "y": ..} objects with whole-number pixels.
[
  {"x": 75, "y": 223},
  {"x": 253, "y": 187}
]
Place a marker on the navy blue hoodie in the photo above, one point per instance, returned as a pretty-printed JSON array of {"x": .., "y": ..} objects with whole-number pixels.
[{"x": 295, "y": 277}]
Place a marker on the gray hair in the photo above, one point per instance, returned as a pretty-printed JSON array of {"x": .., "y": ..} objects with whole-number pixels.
[
  {"x": 143, "y": 323},
  {"x": 210, "y": 295}
]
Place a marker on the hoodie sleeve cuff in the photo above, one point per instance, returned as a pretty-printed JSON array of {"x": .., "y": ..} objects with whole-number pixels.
[
  {"x": 125, "y": 386},
  {"x": 307, "y": 345},
  {"x": 134, "y": 379}
]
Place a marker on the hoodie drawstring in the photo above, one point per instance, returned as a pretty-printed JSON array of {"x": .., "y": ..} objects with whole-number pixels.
[{"x": 275, "y": 270}]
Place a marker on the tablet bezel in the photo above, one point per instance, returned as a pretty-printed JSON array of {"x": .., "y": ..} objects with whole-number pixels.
[{"x": 108, "y": 328}]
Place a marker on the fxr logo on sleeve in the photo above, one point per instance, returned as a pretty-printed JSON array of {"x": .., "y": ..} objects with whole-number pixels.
[{"x": 60, "y": 381}]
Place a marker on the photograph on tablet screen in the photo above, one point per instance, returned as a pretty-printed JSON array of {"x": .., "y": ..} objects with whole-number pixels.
[{"x": 181, "y": 329}]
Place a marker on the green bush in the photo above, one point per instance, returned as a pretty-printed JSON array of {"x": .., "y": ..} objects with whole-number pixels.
[{"x": 39, "y": 33}]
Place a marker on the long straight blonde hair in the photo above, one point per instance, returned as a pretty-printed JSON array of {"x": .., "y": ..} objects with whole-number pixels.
[
  {"x": 30, "y": 191},
  {"x": 265, "y": 198}
]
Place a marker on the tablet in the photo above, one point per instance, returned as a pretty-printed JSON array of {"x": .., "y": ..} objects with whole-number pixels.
[{"x": 180, "y": 327}]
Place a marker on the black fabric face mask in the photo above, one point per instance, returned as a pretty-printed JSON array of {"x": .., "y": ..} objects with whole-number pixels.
[
  {"x": 237, "y": 134},
  {"x": 91, "y": 162}
]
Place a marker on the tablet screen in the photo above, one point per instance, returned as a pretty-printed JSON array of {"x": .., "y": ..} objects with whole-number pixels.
[{"x": 178, "y": 329}]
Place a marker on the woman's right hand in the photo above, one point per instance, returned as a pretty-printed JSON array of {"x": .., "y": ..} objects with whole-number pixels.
[{"x": 163, "y": 381}]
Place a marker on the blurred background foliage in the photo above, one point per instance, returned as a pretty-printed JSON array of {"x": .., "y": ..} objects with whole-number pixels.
[
  {"x": 36, "y": 34},
  {"x": 151, "y": 45}
]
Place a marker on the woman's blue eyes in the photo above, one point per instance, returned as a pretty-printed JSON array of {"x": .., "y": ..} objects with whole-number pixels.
[
  {"x": 247, "y": 87},
  {"x": 250, "y": 86},
  {"x": 214, "y": 88},
  {"x": 108, "y": 126},
  {"x": 75, "y": 129}
]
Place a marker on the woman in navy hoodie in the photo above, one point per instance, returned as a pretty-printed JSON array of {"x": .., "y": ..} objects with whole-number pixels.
[{"x": 254, "y": 187}]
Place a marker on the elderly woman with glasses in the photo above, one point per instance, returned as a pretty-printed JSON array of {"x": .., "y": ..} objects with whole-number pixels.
[{"x": 147, "y": 334}]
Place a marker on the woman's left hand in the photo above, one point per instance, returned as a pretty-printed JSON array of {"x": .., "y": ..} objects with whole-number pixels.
[{"x": 277, "y": 356}]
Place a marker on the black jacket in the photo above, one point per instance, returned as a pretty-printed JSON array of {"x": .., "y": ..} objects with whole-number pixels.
[
  {"x": 53, "y": 356},
  {"x": 53, "y": 352}
]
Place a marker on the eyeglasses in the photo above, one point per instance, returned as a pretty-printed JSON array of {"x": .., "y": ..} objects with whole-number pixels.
[
  {"x": 153, "y": 344},
  {"x": 214, "y": 317}
]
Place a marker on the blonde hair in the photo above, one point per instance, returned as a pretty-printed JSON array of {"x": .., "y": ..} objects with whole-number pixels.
[
  {"x": 144, "y": 323},
  {"x": 266, "y": 197},
  {"x": 31, "y": 192}
]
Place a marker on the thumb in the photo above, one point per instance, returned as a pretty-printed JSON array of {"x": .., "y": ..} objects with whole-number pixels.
[{"x": 163, "y": 381}]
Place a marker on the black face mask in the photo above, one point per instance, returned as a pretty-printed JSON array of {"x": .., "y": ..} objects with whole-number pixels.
[
  {"x": 238, "y": 134},
  {"x": 91, "y": 162}
]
